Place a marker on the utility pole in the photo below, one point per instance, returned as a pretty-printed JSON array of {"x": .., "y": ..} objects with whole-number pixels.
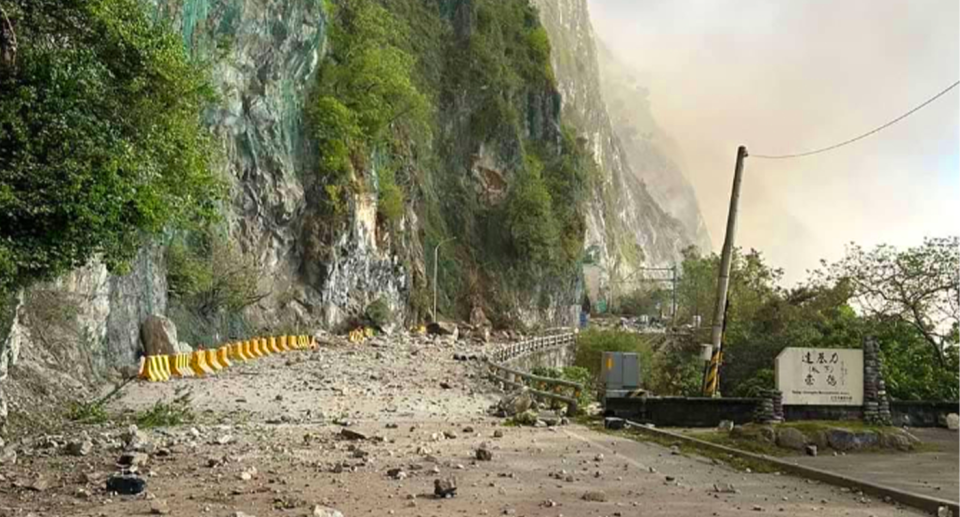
[
  {"x": 436, "y": 265},
  {"x": 674, "y": 302},
  {"x": 713, "y": 376}
]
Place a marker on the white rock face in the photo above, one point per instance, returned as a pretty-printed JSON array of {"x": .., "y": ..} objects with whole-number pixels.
[{"x": 637, "y": 214}]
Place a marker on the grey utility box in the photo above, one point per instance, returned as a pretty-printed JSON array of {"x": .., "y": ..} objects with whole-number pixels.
[{"x": 620, "y": 371}]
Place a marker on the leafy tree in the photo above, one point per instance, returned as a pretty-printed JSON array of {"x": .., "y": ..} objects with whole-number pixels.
[
  {"x": 806, "y": 316},
  {"x": 752, "y": 283},
  {"x": 919, "y": 287},
  {"x": 907, "y": 299},
  {"x": 365, "y": 85},
  {"x": 210, "y": 275},
  {"x": 910, "y": 366},
  {"x": 532, "y": 224},
  {"x": 101, "y": 139}
]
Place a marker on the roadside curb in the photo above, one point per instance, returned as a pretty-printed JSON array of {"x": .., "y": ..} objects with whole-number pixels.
[{"x": 921, "y": 502}]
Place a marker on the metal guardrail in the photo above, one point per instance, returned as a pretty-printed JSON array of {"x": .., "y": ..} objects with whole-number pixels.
[{"x": 543, "y": 387}]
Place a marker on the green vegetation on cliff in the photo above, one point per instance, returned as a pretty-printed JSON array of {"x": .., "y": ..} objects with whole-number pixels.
[
  {"x": 365, "y": 95},
  {"x": 409, "y": 96},
  {"x": 101, "y": 139}
]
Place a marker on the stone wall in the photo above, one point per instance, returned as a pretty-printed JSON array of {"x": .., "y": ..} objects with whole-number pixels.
[
  {"x": 683, "y": 411},
  {"x": 876, "y": 405}
]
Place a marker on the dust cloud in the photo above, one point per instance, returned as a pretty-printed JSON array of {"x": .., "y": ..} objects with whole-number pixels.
[{"x": 794, "y": 75}]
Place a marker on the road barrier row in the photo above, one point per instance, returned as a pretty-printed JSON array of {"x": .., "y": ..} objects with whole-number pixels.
[
  {"x": 543, "y": 387},
  {"x": 160, "y": 368}
]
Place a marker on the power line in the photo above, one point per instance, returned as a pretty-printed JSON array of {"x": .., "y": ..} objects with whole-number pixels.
[{"x": 861, "y": 137}]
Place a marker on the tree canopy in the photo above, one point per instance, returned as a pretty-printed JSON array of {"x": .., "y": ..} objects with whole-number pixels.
[
  {"x": 906, "y": 298},
  {"x": 101, "y": 138},
  {"x": 918, "y": 287}
]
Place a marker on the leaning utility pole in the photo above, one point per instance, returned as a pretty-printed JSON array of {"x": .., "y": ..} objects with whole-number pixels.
[
  {"x": 713, "y": 376},
  {"x": 673, "y": 301}
]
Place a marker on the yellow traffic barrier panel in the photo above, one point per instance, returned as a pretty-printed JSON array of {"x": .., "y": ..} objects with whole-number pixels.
[
  {"x": 273, "y": 345},
  {"x": 263, "y": 347},
  {"x": 248, "y": 350},
  {"x": 165, "y": 367},
  {"x": 198, "y": 363},
  {"x": 222, "y": 356},
  {"x": 239, "y": 352},
  {"x": 142, "y": 374},
  {"x": 155, "y": 369},
  {"x": 257, "y": 349},
  {"x": 150, "y": 369},
  {"x": 294, "y": 342},
  {"x": 175, "y": 366},
  {"x": 368, "y": 332},
  {"x": 282, "y": 344},
  {"x": 183, "y": 364},
  {"x": 212, "y": 360}
]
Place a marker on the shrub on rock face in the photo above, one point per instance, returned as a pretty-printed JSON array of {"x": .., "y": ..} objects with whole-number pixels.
[{"x": 378, "y": 314}]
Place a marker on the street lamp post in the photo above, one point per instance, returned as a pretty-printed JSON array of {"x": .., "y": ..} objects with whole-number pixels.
[{"x": 436, "y": 265}]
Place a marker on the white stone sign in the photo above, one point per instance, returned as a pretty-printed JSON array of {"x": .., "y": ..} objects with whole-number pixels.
[{"x": 820, "y": 376}]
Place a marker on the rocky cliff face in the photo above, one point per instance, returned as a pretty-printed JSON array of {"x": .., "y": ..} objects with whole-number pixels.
[
  {"x": 649, "y": 149},
  {"x": 631, "y": 223},
  {"x": 264, "y": 56}
]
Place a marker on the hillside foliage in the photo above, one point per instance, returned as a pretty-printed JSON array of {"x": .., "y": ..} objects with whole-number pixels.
[
  {"x": 408, "y": 93},
  {"x": 101, "y": 139}
]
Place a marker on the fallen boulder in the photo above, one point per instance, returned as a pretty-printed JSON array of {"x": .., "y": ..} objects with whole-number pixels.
[
  {"x": 126, "y": 484},
  {"x": 443, "y": 328},
  {"x": 515, "y": 403},
  {"x": 445, "y": 487},
  {"x": 159, "y": 336},
  {"x": 790, "y": 438}
]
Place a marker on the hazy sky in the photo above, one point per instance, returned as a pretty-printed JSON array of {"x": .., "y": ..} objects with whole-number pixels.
[{"x": 792, "y": 75}]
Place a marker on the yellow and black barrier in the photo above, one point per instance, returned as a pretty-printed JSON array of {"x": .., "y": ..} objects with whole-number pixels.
[
  {"x": 360, "y": 334},
  {"x": 160, "y": 368}
]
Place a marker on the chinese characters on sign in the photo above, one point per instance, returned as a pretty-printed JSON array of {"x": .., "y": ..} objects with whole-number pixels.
[{"x": 820, "y": 376}]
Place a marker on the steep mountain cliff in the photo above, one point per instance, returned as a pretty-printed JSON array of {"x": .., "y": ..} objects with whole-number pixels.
[
  {"x": 652, "y": 153},
  {"x": 630, "y": 222},
  {"x": 504, "y": 159}
]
